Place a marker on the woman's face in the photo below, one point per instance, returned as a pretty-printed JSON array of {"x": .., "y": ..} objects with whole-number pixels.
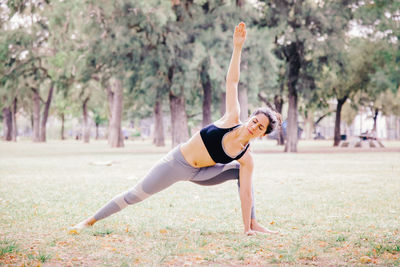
[{"x": 257, "y": 125}]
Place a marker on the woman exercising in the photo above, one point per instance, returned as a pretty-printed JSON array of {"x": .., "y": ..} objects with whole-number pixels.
[{"x": 208, "y": 157}]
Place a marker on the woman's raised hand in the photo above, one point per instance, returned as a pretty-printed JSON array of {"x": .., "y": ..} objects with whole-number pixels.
[{"x": 239, "y": 36}]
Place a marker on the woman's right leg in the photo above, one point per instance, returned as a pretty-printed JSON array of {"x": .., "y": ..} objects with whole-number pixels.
[
  {"x": 169, "y": 170},
  {"x": 221, "y": 173}
]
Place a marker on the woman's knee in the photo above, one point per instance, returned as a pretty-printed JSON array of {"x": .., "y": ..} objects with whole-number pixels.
[{"x": 136, "y": 194}]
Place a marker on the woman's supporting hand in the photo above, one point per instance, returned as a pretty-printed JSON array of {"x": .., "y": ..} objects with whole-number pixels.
[{"x": 239, "y": 36}]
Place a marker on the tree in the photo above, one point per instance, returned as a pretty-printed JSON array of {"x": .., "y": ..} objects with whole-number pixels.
[
  {"x": 299, "y": 27},
  {"x": 14, "y": 60},
  {"x": 346, "y": 72},
  {"x": 61, "y": 104},
  {"x": 65, "y": 61},
  {"x": 31, "y": 70},
  {"x": 382, "y": 19},
  {"x": 114, "y": 45}
]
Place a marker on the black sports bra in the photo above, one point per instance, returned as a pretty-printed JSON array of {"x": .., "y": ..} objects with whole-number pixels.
[{"x": 212, "y": 137}]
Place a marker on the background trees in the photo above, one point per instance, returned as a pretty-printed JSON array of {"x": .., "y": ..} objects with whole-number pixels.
[
  {"x": 302, "y": 28},
  {"x": 133, "y": 59}
]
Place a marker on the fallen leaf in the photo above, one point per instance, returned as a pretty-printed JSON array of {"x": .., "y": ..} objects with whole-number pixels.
[
  {"x": 365, "y": 259},
  {"x": 198, "y": 258},
  {"x": 72, "y": 232}
]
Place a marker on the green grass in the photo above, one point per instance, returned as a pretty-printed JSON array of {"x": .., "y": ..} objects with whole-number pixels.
[
  {"x": 7, "y": 246},
  {"x": 331, "y": 208}
]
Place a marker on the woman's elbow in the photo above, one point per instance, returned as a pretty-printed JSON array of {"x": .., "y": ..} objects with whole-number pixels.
[{"x": 247, "y": 165}]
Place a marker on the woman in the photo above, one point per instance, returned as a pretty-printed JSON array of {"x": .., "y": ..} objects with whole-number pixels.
[{"x": 207, "y": 158}]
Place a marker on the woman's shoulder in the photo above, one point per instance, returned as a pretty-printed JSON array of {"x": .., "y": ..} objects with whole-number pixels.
[{"x": 227, "y": 122}]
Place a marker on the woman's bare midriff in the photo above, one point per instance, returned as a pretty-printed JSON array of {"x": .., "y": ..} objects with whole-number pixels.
[{"x": 195, "y": 152}]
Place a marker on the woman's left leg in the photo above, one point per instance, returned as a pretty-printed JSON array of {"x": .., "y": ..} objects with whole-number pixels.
[{"x": 221, "y": 173}]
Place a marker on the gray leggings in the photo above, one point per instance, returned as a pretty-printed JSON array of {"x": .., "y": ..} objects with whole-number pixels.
[{"x": 169, "y": 170}]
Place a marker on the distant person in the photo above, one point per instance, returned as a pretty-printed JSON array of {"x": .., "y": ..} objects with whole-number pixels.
[{"x": 215, "y": 154}]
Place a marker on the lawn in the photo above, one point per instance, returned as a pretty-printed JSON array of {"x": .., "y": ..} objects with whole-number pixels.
[{"x": 330, "y": 206}]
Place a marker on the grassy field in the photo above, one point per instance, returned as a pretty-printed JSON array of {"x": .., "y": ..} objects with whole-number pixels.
[{"x": 331, "y": 207}]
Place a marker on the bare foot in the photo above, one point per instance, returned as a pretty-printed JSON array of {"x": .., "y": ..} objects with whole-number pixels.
[
  {"x": 82, "y": 225},
  {"x": 255, "y": 226}
]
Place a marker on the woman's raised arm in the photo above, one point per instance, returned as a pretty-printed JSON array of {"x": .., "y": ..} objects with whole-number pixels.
[{"x": 232, "y": 78}]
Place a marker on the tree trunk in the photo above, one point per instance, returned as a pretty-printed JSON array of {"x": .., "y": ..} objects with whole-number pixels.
[
  {"x": 14, "y": 121},
  {"x": 240, "y": 3},
  {"x": 46, "y": 114},
  {"x": 62, "y": 126},
  {"x": 376, "y": 112},
  {"x": 179, "y": 126},
  {"x": 278, "y": 102},
  {"x": 158, "y": 123},
  {"x": 309, "y": 123},
  {"x": 97, "y": 131},
  {"x": 293, "y": 58},
  {"x": 7, "y": 124},
  {"x": 36, "y": 116},
  {"x": 115, "y": 136},
  {"x": 292, "y": 128},
  {"x": 206, "y": 83},
  {"x": 86, "y": 128},
  {"x": 336, "y": 138},
  {"x": 223, "y": 104},
  {"x": 110, "y": 97},
  {"x": 31, "y": 119}
]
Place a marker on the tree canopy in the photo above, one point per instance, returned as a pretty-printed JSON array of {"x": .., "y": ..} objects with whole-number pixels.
[{"x": 120, "y": 60}]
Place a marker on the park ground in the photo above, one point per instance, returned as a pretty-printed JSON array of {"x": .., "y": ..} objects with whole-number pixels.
[{"x": 331, "y": 206}]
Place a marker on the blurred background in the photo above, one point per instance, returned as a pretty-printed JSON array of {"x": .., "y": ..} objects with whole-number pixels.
[{"x": 155, "y": 69}]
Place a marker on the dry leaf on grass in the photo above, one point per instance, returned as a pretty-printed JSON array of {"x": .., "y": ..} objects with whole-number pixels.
[
  {"x": 365, "y": 259},
  {"x": 73, "y": 232}
]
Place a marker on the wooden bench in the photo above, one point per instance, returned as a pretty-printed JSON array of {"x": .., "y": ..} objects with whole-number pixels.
[{"x": 362, "y": 141}]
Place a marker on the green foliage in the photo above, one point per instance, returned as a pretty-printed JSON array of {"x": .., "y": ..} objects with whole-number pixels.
[
  {"x": 341, "y": 238},
  {"x": 157, "y": 49},
  {"x": 7, "y": 246},
  {"x": 99, "y": 116},
  {"x": 381, "y": 17},
  {"x": 43, "y": 257}
]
